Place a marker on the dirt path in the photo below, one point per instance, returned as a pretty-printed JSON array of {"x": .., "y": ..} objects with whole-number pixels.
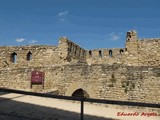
[{"x": 22, "y": 107}]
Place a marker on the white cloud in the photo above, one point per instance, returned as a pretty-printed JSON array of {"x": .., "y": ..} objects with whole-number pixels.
[
  {"x": 20, "y": 40},
  {"x": 62, "y": 15},
  {"x": 114, "y": 36},
  {"x": 33, "y": 41}
]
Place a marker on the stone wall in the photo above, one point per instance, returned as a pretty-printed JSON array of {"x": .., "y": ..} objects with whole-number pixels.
[
  {"x": 131, "y": 73},
  {"x": 114, "y": 82},
  {"x": 71, "y": 52},
  {"x": 105, "y": 56},
  {"x": 40, "y": 55},
  {"x": 137, "y": 52},
  {"x": 149, "y": 52},
  {"x": 33, "y": 56}
]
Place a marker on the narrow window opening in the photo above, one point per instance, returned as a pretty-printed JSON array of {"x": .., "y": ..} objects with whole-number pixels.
[
  {"x": 70, "y": 48},
  {"x": 75, "y": 50},
  {"x": 84, "y": 53},
  {"x": 100, "y": 53},
  {"x": 110, "y": 53},
  {"x": 29, "y": 56},
  {"x": 14, "y": 57},
  {"x": 125, "y": 49},
  {"x": 121, "y": 51},
  {"x": 80, "y": 52},
  {"x": 90, "y": 53}
]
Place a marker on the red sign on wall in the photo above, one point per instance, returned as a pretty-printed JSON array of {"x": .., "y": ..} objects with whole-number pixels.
[{"x": 37, "y": 77}]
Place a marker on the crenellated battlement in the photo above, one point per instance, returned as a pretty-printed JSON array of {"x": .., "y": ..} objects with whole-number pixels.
[
  {"x": 137, "y": 52},
  {"x": 105, "y": 56}
]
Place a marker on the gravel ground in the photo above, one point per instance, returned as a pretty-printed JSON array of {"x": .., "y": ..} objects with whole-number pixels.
[{"x": 24, "y": 107}]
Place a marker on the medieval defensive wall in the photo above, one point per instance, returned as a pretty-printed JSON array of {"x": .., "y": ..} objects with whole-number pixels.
[{"x": 131, "y": 73}]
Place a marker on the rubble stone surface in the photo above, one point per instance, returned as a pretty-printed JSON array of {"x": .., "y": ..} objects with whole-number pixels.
[{"x": 131, "y": 73}]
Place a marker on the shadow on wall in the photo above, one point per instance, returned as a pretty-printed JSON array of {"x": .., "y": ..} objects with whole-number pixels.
[{"x": 15, "y": 110}]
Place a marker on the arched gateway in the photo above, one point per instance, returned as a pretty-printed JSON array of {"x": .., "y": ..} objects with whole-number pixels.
[
  {"x": 80, "y": 89},
  {"x": 80, "y": 93}
]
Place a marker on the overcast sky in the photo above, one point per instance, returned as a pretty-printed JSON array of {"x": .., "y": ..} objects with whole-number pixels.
[{"x": 90, "y": 23}]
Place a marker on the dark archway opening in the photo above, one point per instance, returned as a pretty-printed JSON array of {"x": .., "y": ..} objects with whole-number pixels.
[
  {"x": 80, "y": 93},
  {"x": 29, "y": 56},
  {"x": 100, "y": 53},
  {"x": 14, "y": 57},
  {"x": 110, "y": 53},
  {"x": 90, "y": 53},
  {"x": 121, "y": 51}
]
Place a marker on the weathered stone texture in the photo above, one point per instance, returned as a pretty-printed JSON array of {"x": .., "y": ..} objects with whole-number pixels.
[
  {"x": 131, "y": 73},
  {"x": 105, "y": 56},
  {"x": 41, "y": 56},
  {"x": 71, "y": 52},
  {"x": 131, "y": 83},
  {"x": 149, "y": 52},
  {"x": 137, "y": 52}
]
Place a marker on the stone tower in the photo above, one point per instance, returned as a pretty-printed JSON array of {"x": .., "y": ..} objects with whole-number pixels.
[
  {"x": 132, "y": 42},
  {"x": 132, "y": 47}
]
